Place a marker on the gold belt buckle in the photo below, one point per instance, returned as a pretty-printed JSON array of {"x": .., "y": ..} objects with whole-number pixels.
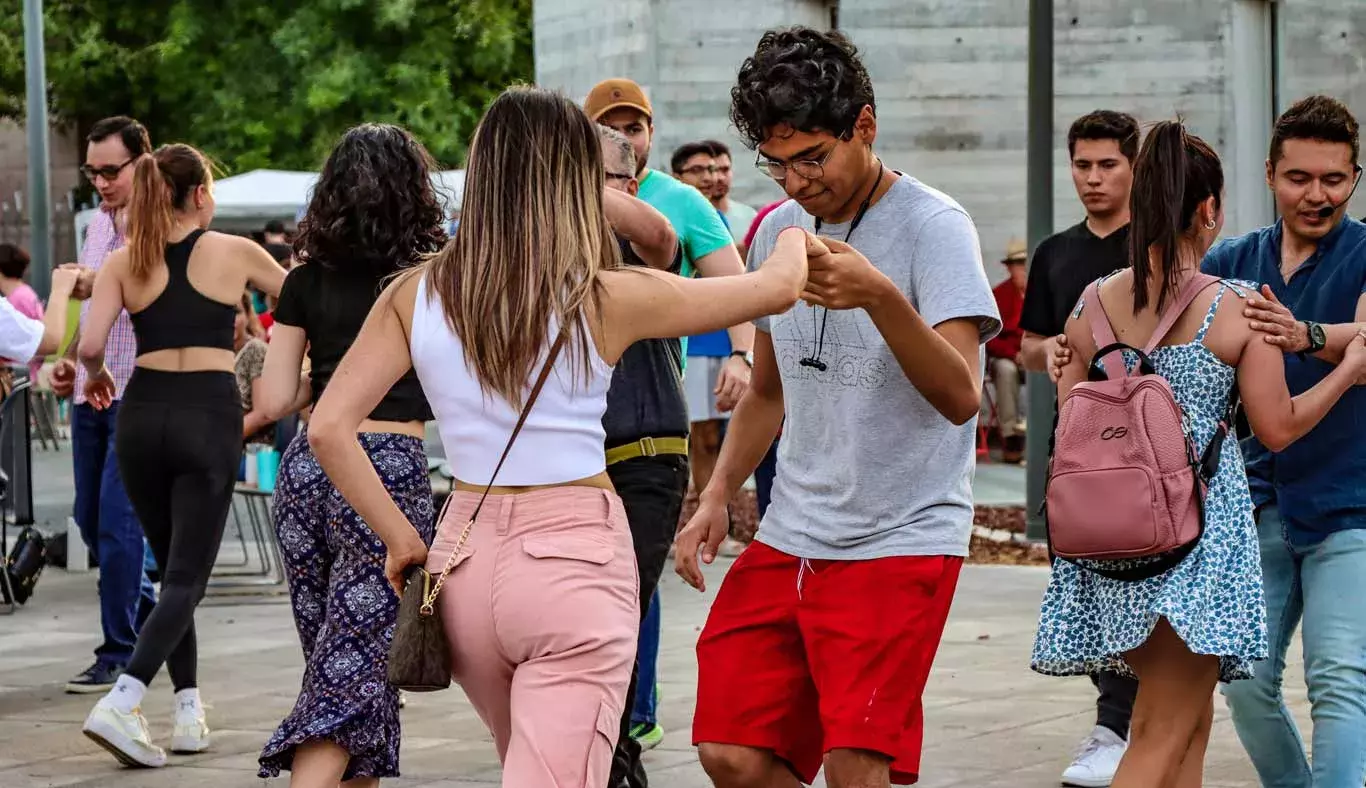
[{"x": 647, "y": 447}]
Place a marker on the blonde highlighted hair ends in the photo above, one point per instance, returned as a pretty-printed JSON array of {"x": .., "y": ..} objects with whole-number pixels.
[
  {"x": 531, "y": 240},
  {"x": 162, "y": 184}
]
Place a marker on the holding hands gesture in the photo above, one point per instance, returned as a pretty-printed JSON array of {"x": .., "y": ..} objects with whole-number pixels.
[
  {"x": 840, "y": 277},
  {"x": 1280, "y": 328}
]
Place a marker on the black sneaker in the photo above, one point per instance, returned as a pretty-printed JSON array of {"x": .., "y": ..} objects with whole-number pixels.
[{"x": 99, "y": 677}]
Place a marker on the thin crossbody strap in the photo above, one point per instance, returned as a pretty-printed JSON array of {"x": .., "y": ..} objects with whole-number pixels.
[{"x": 430, "y": 597}]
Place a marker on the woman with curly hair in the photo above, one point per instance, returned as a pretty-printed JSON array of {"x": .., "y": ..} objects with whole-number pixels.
[{"x": 374, "y": 212}]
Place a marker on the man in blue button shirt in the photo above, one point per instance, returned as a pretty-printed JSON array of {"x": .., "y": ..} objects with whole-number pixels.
[{"x": 1311, "y": 498}]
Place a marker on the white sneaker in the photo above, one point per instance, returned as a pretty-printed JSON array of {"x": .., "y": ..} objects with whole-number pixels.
[
  {"x": 191, "y": 733},
  {"x": 731, "y": 547},
  {"x": 1097, "y": 760},
  {"x": 125, "y": 736}
]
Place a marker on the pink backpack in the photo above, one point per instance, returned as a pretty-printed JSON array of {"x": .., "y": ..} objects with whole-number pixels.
[{"x": 1125, "y": 481}]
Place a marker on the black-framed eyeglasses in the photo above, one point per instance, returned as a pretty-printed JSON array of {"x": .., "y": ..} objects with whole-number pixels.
[
  {"x": 108, "y": 172},
  {"x": 700, "y": 169},
  {"x": 812, "y": 170}
]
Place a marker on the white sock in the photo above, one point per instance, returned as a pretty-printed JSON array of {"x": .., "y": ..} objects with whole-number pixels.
[
  {"x": 126, "y": 694},
  {"x": 187, "y": 703}
]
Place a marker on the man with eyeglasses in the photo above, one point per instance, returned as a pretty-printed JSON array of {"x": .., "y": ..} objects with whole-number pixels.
[
  {"x": 820, "y": 640},
  {"x": 108, "y": 524},
  {"x": 650, "y": 471},
  {"x": 738, "y": 215}
]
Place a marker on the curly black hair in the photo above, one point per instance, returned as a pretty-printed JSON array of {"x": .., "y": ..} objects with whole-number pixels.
[
  {"x": 809, "y": 79},
  {"x": 374, "y": 208}
]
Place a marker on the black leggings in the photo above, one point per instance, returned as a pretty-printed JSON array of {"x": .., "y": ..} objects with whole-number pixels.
[{"x": 179, "y": 443}]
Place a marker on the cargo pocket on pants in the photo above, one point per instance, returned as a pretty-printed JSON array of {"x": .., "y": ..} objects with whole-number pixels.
[
  {"x": 576, "y": 547},
  {"x": 605, "y": 731}
]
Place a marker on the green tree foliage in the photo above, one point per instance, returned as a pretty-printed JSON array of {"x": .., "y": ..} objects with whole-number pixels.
[{"x": 274, "y": 83}]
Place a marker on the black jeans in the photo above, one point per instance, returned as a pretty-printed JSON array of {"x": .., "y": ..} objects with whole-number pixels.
[
  {"x": 178, "y": 441},
  {"x": 1115, "y": 706},
  {"x": 651, "y": 490}
]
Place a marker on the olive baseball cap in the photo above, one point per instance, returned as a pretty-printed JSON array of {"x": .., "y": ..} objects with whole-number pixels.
[{"x": 610, "y": 94}]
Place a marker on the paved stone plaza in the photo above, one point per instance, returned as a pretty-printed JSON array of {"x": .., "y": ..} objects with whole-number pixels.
[{"x": 990, "y": 721}]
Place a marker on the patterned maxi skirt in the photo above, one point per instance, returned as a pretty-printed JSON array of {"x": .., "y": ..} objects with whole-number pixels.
[{"x": 344, "y": 607}]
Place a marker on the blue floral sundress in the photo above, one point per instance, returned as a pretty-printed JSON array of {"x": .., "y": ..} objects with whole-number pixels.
[{"x": 1213, "y": 599}]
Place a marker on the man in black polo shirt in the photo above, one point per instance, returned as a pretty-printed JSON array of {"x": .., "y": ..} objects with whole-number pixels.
[
  {"x": 1102, "y": 147},
  {"x": 647, "y": 416}
]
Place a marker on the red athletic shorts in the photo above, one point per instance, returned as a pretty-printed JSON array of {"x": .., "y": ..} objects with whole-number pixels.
[{"x": 801, "y": 657}]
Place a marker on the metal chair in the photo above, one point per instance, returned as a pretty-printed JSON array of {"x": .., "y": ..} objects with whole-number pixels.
[{"x": 271, "y": 577}]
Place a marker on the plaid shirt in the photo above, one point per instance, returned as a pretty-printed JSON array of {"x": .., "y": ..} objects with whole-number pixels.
[{"x": 102, "y": 237}]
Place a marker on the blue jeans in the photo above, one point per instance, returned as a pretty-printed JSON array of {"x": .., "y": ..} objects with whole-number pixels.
[
  {"x": 111, "y": 532},
  {"x": 645, "y": 706},
  {"x": 1322, "y": 587}
]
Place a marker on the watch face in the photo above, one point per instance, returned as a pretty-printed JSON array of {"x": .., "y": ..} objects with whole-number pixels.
[{"x": 1318, "y": 338}]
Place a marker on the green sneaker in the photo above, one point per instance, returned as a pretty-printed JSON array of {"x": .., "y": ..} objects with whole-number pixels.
[{"x": 648, "y": 736}]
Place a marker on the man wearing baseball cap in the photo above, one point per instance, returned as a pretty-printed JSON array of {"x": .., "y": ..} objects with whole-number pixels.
[
  {"x": 1003, "y": 352},
  {"x": 646, "y": 474}
]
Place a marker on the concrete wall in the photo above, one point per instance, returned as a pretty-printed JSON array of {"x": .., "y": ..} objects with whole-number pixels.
[
  {"x": 952, "y": 85},
  {"x": 950, "y": 77},
  {"x": 1324, "y": 51},
  {"x": 683, "y": 52}
]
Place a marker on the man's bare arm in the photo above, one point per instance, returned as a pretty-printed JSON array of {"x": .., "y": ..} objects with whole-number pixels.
[
  {"x": 1034, "y": 352},
  {"x": 1281, "y": 328},
  {"x": 650, "y": 234},
  {"x": 726, "y": 262}
]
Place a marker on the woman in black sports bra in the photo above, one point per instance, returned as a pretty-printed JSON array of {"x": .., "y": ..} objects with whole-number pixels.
[{"x": 179, "y": 425}]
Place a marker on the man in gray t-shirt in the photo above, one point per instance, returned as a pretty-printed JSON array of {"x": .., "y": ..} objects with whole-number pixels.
[
  {"x": 868, "y": 467},
  {"x": 878, "y": 372}
]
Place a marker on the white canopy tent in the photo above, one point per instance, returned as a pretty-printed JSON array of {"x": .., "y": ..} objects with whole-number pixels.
[{"x": 246, "y": 202}]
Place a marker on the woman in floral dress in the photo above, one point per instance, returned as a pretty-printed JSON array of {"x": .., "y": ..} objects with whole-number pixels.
[{"x": 1202, "y": 621}]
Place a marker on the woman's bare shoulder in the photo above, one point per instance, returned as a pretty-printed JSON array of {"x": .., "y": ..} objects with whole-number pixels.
[
  {"x": 400, "y": 293},
  {"x": 116, "y": 260}
]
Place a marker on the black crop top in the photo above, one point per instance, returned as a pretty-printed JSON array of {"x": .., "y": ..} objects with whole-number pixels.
[
  {"x": 182, "y": 316},
  {"x": 331, "y": 306}
]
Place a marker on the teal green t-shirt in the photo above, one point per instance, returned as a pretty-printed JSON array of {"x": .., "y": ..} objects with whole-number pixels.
[{"x": 699, "y": 227}]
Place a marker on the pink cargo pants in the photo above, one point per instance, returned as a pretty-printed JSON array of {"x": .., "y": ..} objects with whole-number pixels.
[{"x": 542, "y": 615}]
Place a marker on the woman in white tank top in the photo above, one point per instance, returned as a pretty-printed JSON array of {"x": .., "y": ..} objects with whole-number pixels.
[{"x": 540, "y": 602}]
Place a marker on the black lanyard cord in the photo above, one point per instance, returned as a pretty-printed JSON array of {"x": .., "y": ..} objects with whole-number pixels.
[{"x": 814, "y": 360}]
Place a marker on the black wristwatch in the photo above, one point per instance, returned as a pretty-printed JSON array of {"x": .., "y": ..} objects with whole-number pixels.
[
  {"x": 1318, "y": 338},
  {"x": 745, "y": 356}
]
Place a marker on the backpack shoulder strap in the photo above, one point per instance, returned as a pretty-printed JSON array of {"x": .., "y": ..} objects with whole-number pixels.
[
  {"x": 1101, "y": 331},
  {"x": 1189, "y": 291}
]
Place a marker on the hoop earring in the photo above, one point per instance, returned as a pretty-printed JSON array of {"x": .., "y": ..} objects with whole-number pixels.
[{"x": 1210, "y": 225}]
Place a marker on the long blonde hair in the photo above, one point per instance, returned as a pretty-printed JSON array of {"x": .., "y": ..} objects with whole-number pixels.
[
  {"x": 531, "y": 240},
  {"x": 162, "y": 184}
]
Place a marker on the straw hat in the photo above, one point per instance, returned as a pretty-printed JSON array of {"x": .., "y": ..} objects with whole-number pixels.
[{"x": 1017, "y": 253}]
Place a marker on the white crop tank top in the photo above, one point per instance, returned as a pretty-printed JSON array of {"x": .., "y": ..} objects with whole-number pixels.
[{"x": 562, "y": 439}]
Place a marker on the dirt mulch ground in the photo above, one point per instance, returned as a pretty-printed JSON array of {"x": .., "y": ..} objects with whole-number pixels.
[
  {"x": 1004, "y": 520},
  {"x": 983, "y": 550}
]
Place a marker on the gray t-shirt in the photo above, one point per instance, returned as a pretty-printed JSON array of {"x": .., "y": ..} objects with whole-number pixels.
[{"x": 867, "y": 468}]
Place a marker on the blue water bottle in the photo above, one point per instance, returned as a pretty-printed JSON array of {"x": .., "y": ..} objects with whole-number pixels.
[{"x": 267, "y": 467}]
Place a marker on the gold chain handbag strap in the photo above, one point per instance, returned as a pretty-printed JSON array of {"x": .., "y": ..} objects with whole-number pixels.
[{"x": 429, "y": 597}]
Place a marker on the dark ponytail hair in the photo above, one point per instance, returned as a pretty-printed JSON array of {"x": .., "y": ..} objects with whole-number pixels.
[
  {"x": 162, "y": 184},
  {"x": 1174, "y": 173}
]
